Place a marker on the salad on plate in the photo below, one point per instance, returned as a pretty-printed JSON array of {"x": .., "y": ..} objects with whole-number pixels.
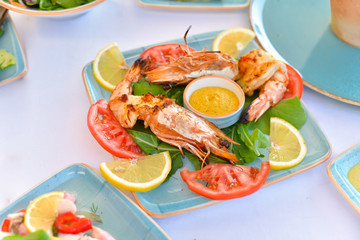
[
  {"x": 48, "y": 4},
  {"x": 53, "y": 215}
]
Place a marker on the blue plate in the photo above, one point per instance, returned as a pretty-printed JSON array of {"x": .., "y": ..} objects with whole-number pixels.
[
  {"x": 173, "y": 196},
  {"x": 299, "y": 33},
  {"x": 121, "y": 217},
  {"x": 338, "y": 169},
  {"x": 9, "y": 41},
  {"x": 196, "y": 4}
]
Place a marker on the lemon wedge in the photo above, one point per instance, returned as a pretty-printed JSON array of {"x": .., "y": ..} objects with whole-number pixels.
[
  {"x": 138, "y": 175},
  {"x": 42, "y": 212},
  {"x": 233, "y": 41},
  {"x": 109, "y": 66},
  {"x": 287, "y": 145}
]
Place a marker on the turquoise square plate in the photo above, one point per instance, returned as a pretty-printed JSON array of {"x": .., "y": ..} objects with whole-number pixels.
[
  {"x": 196, "y": 4},
  {"x": 122, "y": 218},
  {"x": 299, "y": 33},
  {"x": 173, "y": 197},
  {"x": 9, "y": 41},
  {"x": 337, "y": 171}
]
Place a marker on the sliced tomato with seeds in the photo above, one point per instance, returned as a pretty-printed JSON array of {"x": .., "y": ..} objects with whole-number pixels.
[
  {"x": 109, "y": 133},
  {"x": 224, "y": 181},
  {"x": 295, "y": 84}
]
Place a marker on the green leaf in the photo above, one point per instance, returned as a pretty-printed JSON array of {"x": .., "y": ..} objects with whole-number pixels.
[
  {"x": 6, "y": 59},
  {"x": 291, "y": 111},
  {"x": 176, "y": 93},
  {"x": 193, "y": 159},
  {"x": 38, "y": 235},
  {"x": 260, "y": 139},
  {"x": 148, "y": 142},
  {"x": 176, "y": 163},
  {"x": 142, "y": 87}
]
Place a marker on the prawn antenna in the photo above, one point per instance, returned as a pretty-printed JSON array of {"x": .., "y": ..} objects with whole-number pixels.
[{"x": 186, "y": 33}]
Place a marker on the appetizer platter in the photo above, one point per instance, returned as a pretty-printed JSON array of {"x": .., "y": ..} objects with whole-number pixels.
[
  {"x": 339, "y": 171},
  {"x": 50, "y": 9},
  {"x": 173, "y": 195},
  {"x": 327, "y": 64},
  {"x": 196, "y": 4},
  {"x": 78, "y": 193},
  {"x": 11, "y": 47}
]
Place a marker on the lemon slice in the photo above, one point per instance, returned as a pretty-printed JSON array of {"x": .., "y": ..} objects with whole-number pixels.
[
  {"x": 287, "y": 145},
  {"x": 42, "y": 212},
  {"x": 109, "y": 66},
  {"x": 233, "y": 41},
  {"x": 138, "y": 175}
]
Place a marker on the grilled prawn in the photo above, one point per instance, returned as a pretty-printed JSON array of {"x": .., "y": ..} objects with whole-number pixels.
[
  {"x": 194, "y": 64},
  {"x": 170, "y": 122},
  {"x": 260, "y": 70}
]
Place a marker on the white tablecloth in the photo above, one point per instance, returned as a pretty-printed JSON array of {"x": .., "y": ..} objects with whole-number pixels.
[{"x": 43, "y": 125}]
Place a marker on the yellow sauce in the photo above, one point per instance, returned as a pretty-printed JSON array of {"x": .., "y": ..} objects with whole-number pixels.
[
  {"x": 354, "y": 176},
  {"x": 214, "y": 100}
]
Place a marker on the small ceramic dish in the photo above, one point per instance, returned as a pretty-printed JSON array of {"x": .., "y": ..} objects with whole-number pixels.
[
  {"x": 69, "y": 12},
  {"x": 221, "y": 121},
  {"x": 338, "y": 170}
]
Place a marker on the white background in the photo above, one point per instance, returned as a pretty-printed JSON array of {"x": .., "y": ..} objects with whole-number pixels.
[{"x": 43, "y": 125}]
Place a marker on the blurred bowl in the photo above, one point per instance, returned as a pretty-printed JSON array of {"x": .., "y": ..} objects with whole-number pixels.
[
  {"x": 69, "y": 12},
  {"x": 221, "y": 121}
]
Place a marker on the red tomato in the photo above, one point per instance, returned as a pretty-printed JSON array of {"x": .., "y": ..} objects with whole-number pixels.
[
  {"x": 109, "y": 133},
  {"x": 225, "y": 181},
  {"x": 295, "y": 85},
  {"x": 70, "y": 223},
  {"x": 6, "y": 225},
  {"x": 158, "y": 53}
]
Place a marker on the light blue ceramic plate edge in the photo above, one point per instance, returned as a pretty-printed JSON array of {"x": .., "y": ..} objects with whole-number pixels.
[
  {"x": 140, "y": 225},
  {"x": 154, "y": 202},
  {"x": 327, "y": 65},
  {"x": 10, "y": 41},
  {"x": 198, "y": 4},
  {"x": 338, "y": 169}
]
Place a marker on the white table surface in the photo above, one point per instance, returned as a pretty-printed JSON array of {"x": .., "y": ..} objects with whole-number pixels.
[{"x": 43, "y": 125}]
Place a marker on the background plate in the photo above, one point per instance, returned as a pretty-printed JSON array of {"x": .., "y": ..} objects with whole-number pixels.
[
  {"x": 299, "y": 33},
  {"x": 338, "y": 169},
  {"x": 196, "y": 4},
  {"x": 173, "y": 196},
  {"x": 120, "y": 216},
  {"x": 9, "y": 41}
]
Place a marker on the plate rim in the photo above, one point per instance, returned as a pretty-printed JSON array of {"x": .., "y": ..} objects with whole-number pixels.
[
  {"x": 24, "y": 71},
  {"x": 97, "y": 172},
  {"x": 336, "y": 183},
  {"x": 309, "y": 85},
  {"x": 142, "y": 3},
  {"x": 212, "y": 202},
  {"x": 50, "y": 12}
]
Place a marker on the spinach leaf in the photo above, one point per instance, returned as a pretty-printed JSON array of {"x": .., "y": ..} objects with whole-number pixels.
[
  {"x": 150, "y": 144},
  {"x": 291, "y": 111},
  {"x": 142, "y": 87}
]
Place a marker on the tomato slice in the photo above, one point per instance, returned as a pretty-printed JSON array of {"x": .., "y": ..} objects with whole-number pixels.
[
  {"x": 295, "y": 85},
  {"x": 109, "y": 133},
  {"x": 160, "y": 53},
  {"x": 70, "y": 223},
  {"x": 225, "y": 181}
]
